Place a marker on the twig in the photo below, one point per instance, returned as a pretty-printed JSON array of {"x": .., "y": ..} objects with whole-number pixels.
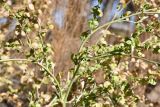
[
  {"x": 43, "y": 67},
  {"x": 137, "y": 57},
  {"x": 114, "y": 21},
  {"x": 147, "y": 60},
  {"x": 89, "y": 36},
  {"x": 8, "y": 60}
]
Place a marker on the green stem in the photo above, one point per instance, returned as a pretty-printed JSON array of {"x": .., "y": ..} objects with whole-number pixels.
[
  {"x": 137, "y": 57},
  {"x": 74, "y": 78},
  {"x": 114, "y": 21},
  {"x": 46, "y": 69},
  {"x": 63, "y": 103},
  {"x": 147, "y": 60},
  {"x": 89, "y": 36}
]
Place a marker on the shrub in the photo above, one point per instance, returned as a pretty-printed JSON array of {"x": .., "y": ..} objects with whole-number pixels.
[{"x": 102, "y": 75}]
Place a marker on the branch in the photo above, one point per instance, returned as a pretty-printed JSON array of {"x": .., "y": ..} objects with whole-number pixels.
[
  {"x": 114, "y": 21},
  {"x": 132, "y": 56},
  {"x": 43, "y": 67},
  {"x": 147, "y": 60},
  {"x": 8, "y": 60}
]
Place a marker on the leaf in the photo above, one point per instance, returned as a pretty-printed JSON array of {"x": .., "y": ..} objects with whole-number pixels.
[
  {"x": 152, "y": 82},
  {"x": 93, "y": 23},
  {"x": 97, "y": 12},
  {"x": 100, "y": 1},
  {"x": 84, "y": 35}
]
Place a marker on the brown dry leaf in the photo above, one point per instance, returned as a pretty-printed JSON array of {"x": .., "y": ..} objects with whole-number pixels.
[{"x": 99, "y": 76}]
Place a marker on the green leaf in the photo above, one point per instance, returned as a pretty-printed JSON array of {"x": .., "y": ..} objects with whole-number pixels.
[
  {"x": 93, "y": 23},
  {"x": 97, "y": 12},
  {"x": 152, "y": 82},
  {"x": 84, "y": 35},
  {"x": 100, "y": 1}
]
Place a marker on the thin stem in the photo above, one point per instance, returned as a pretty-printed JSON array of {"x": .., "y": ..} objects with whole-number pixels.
[
  {"x": 88, "y": 37},
  {"x": 114, "y": 21},
  {"x": 46, "y": 69},
  {"x": 74, "y": 78},
  {"x": 147, "y": 60},
  {"x": 8, "y": 60},
  {"x": 137, "y": 57}
]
